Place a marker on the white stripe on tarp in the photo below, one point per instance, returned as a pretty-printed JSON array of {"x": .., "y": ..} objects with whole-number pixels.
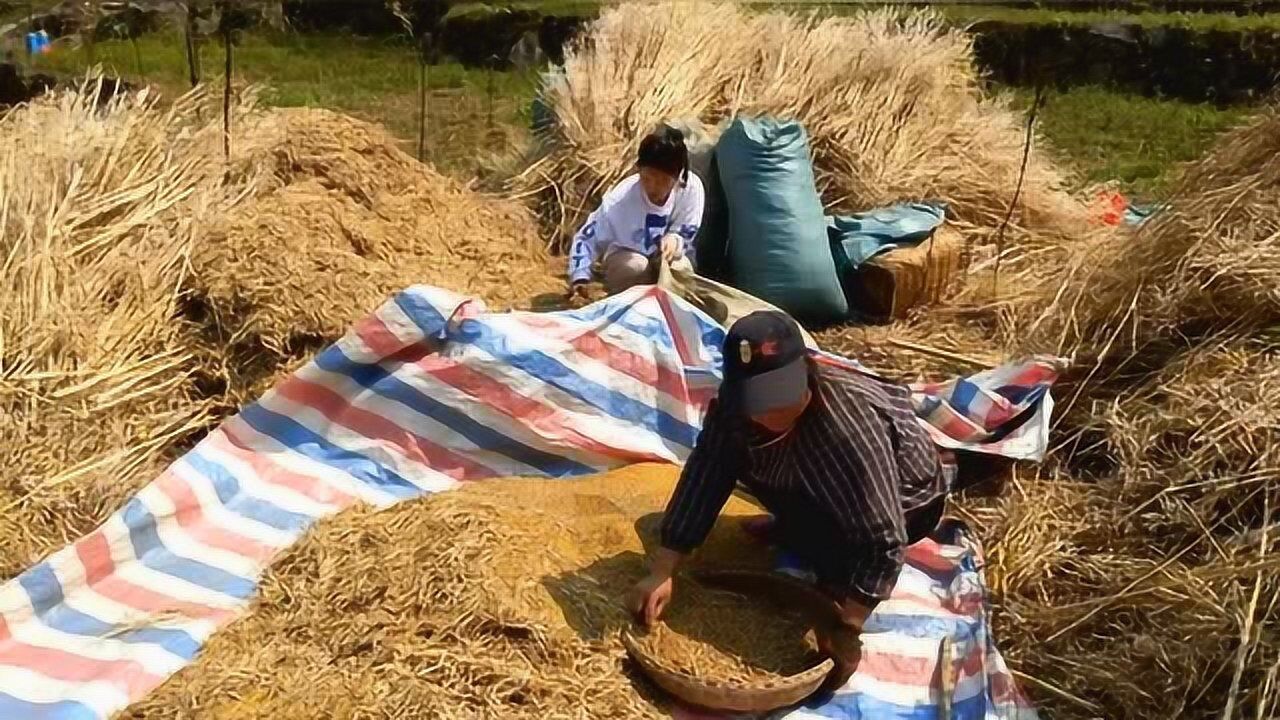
[
  {"x": 33, "y": 687},
  {"x": 595, "y": 370},
  {"x": 254, "y": 484},
  {"x": 175, "y": 538},
  {"x": 129, "y": 568},
  {"x": 399, "y": 324},
  {"x": 578, "y": 414},
  {"x": 151, "y": 657},
  {"x": 494, "y": 418},
  {"x": 81, "y": 596}
]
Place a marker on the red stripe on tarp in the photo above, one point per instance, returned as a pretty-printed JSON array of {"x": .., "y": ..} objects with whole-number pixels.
[
  {"x": 378, "y": 337},
  {"x": 417, "y": 448},
  {"x": 271, "y": 472},
  {"x": 677, "y": 337},
  {"x": 191, "y": 517},
  {"x": 95, "y": 556},
  {"x": 95, "y": 553},
  {"x": 541, "y": 418},
  {"x": 69, "y": 667},
  {"x": 915, "y": 671}
]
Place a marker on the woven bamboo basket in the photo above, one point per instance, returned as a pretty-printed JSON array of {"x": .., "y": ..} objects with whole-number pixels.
[{"x": 757, "y": 698}]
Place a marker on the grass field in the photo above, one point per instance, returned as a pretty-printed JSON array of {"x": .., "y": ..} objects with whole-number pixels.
[
  {"x": 1105, "y": 135},
  {"x": 370, "y": 78},
  {"x": 1134, "y": 140},
  {"x": 1223, "y": 21}
]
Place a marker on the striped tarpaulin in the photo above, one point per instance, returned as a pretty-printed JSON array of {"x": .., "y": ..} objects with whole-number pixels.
[{"x": 428, "y": 392}]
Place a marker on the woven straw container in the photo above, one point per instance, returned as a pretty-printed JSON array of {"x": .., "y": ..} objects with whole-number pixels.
[{"x": 758, "y": 698}]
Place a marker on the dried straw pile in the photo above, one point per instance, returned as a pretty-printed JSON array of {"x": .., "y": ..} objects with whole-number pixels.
[
  {"x": 1147, "y": 586},
  {"x": 501, "y": 599},
  {"x": 98, "y": 215},
  {"x": 891, "y": 102},
  {"x": 150, "y": 287},
  {"x": 347, "y": 219}
]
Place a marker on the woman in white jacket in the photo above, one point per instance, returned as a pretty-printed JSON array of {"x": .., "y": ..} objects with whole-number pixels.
[{"x": 650, "y": 215}]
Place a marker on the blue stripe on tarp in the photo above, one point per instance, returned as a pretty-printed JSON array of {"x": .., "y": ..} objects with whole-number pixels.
[
  {"x": 386, "y": 384},
  {"x": 151, "y": 552},
  {"x": 861, "y": 706},
  {"x": 432, "y": 322},
  {"x": 624, "y": 314},
  {"x": 962, "y": 396},
  {"x": 555, "y": 373},
  {"x": 12, "y": 708},
  {"x": 1022, "y": 394},
  {"x": 40, "y": 581},
  {"x": 303, "y": 441},
  {"x": 922, "y": 626},
  {"x": 42, "y": 587},
  {"x": 235, "y": 499}
]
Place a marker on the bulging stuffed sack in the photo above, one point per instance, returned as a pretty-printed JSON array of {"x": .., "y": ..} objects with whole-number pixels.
[{"x": 778, "y": 249}]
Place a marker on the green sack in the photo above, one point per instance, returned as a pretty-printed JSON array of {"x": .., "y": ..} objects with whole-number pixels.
[{"x": 778, "y": 249}]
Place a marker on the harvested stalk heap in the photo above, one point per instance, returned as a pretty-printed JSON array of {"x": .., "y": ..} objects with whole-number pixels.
[
  {"x": 501, "y": 599},
  {"x": 1138, "y": 578},
  {"x": 891, "y": 103},
  {"x": 149, "y": 288}
]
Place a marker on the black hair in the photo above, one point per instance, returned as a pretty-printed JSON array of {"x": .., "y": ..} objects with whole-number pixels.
[{"x": 664, "y": 149}]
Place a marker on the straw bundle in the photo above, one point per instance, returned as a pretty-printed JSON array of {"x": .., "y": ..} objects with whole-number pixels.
[
  {"x": 500, "y": 599},
  {"x": 891, "y": 103},
  {"x": 1207, "y": 263}
]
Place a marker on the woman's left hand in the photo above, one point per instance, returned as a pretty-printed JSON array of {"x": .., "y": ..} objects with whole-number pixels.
[
  {"x": 672, "y": 247},
  {"x": 839, "y": 642}
]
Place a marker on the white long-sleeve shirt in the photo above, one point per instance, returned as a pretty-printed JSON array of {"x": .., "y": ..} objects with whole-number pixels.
[{"x": 626, "y": 219}]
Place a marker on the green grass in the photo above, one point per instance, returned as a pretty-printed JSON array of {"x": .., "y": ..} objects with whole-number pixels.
[
  {"x": 1223, "y": 21},
  {"x": 1137, "y": 141},
  {"x": 369, "y": 78}
]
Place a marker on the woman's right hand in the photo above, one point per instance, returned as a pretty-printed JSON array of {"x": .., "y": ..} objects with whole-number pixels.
[{"x": 650, "y": 597}]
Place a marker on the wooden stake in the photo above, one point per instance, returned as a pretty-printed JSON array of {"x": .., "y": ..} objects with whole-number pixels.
[
  {"x": 226, "y": 83},
  {"x": 189, "y": 37}
]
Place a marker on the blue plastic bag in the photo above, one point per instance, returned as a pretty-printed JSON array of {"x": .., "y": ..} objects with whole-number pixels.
[{"x": 857, "y": 238}]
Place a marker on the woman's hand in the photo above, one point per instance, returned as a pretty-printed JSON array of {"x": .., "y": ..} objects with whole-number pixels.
[
  {"x": 840, "y": 643},
  {"x": 577, "y": 296},
  {"x": 672, "y": 247},
  {"x": 650, "y": 597}
]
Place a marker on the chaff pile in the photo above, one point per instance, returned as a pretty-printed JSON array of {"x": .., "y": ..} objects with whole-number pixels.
[
  {"x": 891, "y": 103},
  {"x": 501, "y": 599}
]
